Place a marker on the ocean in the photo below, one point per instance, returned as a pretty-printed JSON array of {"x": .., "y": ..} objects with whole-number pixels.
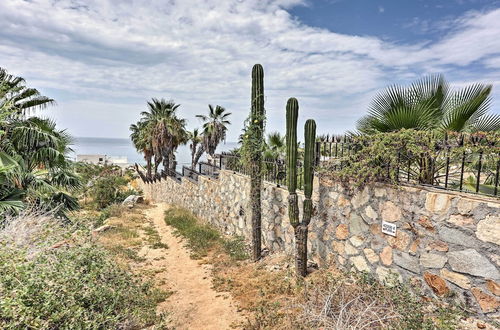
[{"x": 124, "y": 148}]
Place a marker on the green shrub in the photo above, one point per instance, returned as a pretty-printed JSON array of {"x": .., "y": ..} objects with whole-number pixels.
[
  {"x": 71, "y": 288},
  {"x": 105, "y": 190},
  {"x": 236, "y": 248},
  {"x": 105, "y": 184},
  {"x": 77, "y": 285},
  {"x": 417, "y": 157}
]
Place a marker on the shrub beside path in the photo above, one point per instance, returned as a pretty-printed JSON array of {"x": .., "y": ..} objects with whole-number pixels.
[{"x": 194, "y": 304}]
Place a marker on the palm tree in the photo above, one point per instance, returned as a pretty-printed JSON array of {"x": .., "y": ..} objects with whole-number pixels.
[
  {"x": 11, "y": 199},
  {"x": 16, "y": 98},
  {"x": 275, "y": 146},
  {"x": 430, "y": 104},
  {"x": 37, "y": 170},
  {"x": 34, "y": 167},
  {"x": 214, "y": 127},
  {"x": 167, "y": 130},
  {"x": 196, "y": 147},
  {"x": 141, "y": 139}
]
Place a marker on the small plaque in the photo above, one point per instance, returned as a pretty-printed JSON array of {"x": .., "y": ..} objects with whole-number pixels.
[{"x": 389, "y": 228}]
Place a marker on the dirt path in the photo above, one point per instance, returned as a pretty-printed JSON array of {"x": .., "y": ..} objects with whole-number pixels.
[{"x": 194, "y": 304}]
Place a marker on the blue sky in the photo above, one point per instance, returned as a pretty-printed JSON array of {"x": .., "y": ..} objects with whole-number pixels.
[
  {"x": 402, "y": 21},
  {"x": 102, "y": 59}
]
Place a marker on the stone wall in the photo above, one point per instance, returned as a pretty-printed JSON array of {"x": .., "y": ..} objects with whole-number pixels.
[{"x": 445, "y": 242}]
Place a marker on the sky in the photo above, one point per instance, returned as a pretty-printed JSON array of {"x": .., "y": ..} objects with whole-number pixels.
[{"x": 101, "y": 60}]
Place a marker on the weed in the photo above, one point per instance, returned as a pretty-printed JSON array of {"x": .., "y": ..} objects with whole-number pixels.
[
  {"x": 154, "y": 238},
  {"x": 236, "y": 248},
  {"x": 200, "y": 237},
  {"x": 353, "y": 300},
  {"x": 126, "y": 253}
]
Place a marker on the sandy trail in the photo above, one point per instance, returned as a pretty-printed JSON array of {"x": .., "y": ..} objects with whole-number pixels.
[{"x": 194, "y": 304}]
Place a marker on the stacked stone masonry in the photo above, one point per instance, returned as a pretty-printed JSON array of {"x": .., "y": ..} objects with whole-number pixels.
[{"x": 445, "y": 242}]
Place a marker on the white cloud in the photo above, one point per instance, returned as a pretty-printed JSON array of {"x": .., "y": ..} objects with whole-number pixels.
[{"x": 106, "y": 58}]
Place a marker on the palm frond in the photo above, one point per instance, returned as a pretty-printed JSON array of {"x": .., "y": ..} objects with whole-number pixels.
[{"x": 467, "y": 106}]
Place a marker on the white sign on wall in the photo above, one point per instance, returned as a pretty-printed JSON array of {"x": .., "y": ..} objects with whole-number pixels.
[{"x": 389, "y": 228}]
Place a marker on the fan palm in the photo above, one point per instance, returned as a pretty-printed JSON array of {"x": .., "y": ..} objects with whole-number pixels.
[
  {"x": 34, "y": 168},
  {"x": 142, "y": 141},
  {"x": 214, "y": 127},
  {"x": 11, "y": 200},
  {"x": 16, "y": 98},
  {"x": 37, "y": 170},
  {"x": 167, "y": 130},
  {"x": 275, "y": 146},
  {"x": 430, "y": 104}
]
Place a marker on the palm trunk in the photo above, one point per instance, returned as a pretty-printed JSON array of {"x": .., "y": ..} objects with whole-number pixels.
[
  {"x": 196, "y": 157},
  {"x": 166, "y": 161},
  {"x": 173, "y": 162},
  {"x": 157, "y": 163},
  {"x": 148, "y": 165}
]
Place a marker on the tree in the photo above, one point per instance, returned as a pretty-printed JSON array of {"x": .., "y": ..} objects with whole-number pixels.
[
  {"x": 430, "y": 104},
  {"x": 214, "y": 127},
  {"x": 168, "y": 131},
  {"x": 16, "y": 98},
  {"x": 158, "y": 134},
  {"x": 36, "y": 171},
  {"x": 196, "y": 147},
  {"x": 34, "y": 167},
  {"x": 142, "y": 141},
  {"x": 275, "y": 147}
]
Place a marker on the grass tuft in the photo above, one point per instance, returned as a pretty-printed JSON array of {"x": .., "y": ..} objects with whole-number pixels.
[
  {"x": 154, "y": 239},
  {"x": 201, "y": 238}
]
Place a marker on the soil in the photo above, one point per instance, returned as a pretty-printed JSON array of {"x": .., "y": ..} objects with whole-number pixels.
[{"x": 194, "y": 303}]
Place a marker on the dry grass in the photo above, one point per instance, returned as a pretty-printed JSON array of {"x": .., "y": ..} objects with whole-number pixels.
[
  {"x": 34, "y": 231},
  {"x": 326, "y": 299},
  {"x": 351, "y": 301},
  {"x": 130, "y": 231}
]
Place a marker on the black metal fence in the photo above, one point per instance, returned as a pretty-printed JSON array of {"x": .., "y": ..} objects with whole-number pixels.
[
  {"x": 211, "y": 170},
  {"x": 190, "y": 174},
  {"x": 453, "y": 164},
  {"x": 173, "y": 174},
  {"x": 274, "y": 171}
]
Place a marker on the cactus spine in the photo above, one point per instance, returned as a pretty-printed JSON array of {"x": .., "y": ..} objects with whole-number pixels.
[
  {"x": 300, "y": 228},
  {"x": 257, "y": 121}
]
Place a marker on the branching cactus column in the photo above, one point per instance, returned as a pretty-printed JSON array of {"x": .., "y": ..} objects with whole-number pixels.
[
  {"x": 257, "y": 121},
  {"x": 300, "y": 228}
]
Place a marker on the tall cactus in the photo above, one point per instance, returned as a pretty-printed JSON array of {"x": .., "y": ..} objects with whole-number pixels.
[
  {"x": 292, "y": 113},
  {"x": 300, "y": 228},
  {"x": 257, "y": 123}
]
